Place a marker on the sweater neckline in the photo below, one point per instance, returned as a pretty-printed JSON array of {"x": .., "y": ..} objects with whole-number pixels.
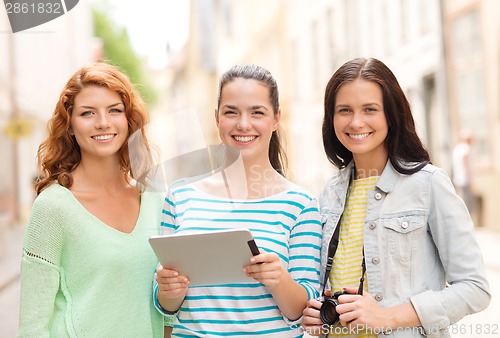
[{"x": 104, "y": 224}]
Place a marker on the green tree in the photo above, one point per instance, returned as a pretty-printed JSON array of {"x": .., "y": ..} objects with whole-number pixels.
[{"x": 118, "y": 50}]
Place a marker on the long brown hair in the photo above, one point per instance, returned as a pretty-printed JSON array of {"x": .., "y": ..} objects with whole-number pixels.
[
  {"x": 405, "y": 149},
  {"x": 60, "y": 154},
  {"x": 277, "y": 155}
]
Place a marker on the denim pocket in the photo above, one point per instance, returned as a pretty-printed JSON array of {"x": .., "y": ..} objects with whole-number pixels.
[{"x": 404, "y": 233}]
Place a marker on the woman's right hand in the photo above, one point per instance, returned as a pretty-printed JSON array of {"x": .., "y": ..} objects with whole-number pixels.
[
  {"x": 170, "y": 284},
  {"x": 311, "y": 321}
]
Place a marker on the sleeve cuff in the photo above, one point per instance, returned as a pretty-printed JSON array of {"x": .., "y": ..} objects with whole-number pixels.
[
  {"x": 157, "y": 304},
  {"x": 430, "y": 312},
  {"x": 311, "y": 293}
]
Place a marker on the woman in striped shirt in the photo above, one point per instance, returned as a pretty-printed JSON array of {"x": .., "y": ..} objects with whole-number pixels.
[{"x": 252, "y": 193}]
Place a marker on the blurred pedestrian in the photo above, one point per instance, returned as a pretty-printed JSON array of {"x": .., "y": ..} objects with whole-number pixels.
[
  {"x": 398, "y": 242},
  {"x": 86, "y": 263},
  {"x": 462, "y": 168}
]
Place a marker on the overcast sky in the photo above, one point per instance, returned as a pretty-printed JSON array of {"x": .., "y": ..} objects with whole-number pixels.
[{"x": 152, "y": 24}]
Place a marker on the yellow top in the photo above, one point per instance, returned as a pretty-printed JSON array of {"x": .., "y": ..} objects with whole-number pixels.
[{"x": 346, "y": 268}]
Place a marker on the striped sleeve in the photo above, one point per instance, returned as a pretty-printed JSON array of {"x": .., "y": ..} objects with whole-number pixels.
[
  {"x": 305, "y": 247},
  {"x": 167, "y": 226},
  {"x": 169, "y": 216}
]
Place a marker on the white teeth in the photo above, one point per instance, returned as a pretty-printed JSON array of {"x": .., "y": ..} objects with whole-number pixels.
[
  {"x": 244, "y": 138},
  {"x": 359, "y": 136},
  {"x": 103, "y": 137}
]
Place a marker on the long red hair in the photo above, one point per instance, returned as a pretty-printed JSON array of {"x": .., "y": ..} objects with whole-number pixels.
[{"x": 60, "y": 154}]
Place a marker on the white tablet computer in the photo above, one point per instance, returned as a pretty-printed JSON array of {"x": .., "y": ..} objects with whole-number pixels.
[{"x": 207, "y": 258}]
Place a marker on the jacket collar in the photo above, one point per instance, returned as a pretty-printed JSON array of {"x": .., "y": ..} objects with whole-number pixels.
[
  {"x": 341, "y": 185},
  {"x": 388, "y": 179},
  {"x": 386, "y": 182}
]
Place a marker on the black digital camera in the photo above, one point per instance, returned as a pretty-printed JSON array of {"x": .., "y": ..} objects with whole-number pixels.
[{"x": 328, "y": 311}]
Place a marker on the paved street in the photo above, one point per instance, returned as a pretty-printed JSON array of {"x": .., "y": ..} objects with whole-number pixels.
[
  {"x": 10, "y": 258},
  {"x": 481, "y": 325},
  {"x": 486, "y": 323},
  {"x": 9, "y": 310}
]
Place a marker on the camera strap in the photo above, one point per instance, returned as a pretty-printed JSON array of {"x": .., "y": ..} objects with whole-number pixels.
[
  {"x": 363, "y": 270},
  {"x": 332, "y": 249}
]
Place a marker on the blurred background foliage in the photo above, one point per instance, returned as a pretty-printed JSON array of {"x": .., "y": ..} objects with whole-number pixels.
[{"x": 118, "y": 50}]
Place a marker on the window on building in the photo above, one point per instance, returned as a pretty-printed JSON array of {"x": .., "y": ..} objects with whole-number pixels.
[
  {"x": 424, "y": 17},
  {"x": 466, "y": 37},
  {"x": 226, "y": 17},
  {"x": 315, "y": 48},
  {"x": 386, "y": 16},
  {"x": 296, "y": 76},
  {"x": 403, "y": 15},
  {"x": 471, "y": 107},
  {"x": 352, "y": 32},
  {"x": 329, "y": 27},
  {"x": 469, "y": 81}
]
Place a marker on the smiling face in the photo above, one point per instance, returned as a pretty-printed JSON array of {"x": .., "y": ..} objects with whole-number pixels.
[
  {"x": 99, "y": 122},
  {"x": 246, "y": 119},
  {"x": 359, "y": 120}
]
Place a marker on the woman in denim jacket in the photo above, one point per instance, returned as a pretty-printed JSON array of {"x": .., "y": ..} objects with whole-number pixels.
[{"x": 424, "y": 268}]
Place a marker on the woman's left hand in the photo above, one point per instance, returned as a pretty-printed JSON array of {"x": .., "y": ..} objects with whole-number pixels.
[
  {"x": 266, "y": 268},
  {"x": 361, "y": 311}
]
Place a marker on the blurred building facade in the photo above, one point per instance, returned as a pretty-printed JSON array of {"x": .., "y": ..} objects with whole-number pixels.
[
  {"x": 223, "y": 33},
  {"x": 34, "y": 66},
  {"x": 436, "y": 49},
  {"x": 472, "y": 55},
  {"x": 403, "y": 34}
]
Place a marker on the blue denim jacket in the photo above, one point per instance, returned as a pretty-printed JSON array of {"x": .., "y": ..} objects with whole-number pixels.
[{"x": 419, "y": 246}]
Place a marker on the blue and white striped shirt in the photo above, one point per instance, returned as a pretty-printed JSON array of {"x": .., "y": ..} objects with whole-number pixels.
[{"x": 286, "y": 223}]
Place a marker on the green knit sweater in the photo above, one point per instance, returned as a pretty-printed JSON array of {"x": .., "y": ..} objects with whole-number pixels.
[{"x": 83, "y": 278}]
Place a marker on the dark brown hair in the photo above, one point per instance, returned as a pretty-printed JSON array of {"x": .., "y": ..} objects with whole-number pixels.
[{"x": 406, "y": 151}]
